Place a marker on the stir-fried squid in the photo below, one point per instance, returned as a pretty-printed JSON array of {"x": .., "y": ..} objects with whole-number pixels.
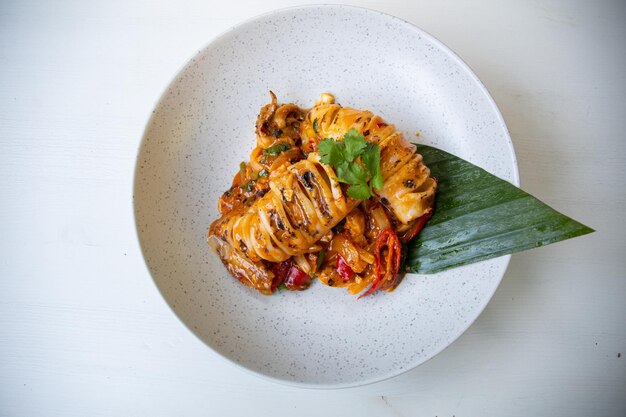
[{"x": 290, "y": 215}]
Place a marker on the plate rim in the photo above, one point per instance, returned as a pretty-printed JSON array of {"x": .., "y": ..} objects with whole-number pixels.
[{"x": 515, "y": 180}]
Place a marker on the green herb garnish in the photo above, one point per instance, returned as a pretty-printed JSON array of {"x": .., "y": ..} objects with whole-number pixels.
[
  {"x": 242, "y": 167},
  {"x": 320, "y": 258},
  {"x": 277, "y": 149},
  {"x": 249, "y": 186},
  {"x": 361, "y": 176},
  {"x": 315, "y": 125},
  {"x": 263, "y": 173},
  {"x": 371, "y": 159}
]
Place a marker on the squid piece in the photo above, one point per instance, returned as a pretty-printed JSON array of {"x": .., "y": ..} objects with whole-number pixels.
[
  {"x": 304, "y": 202},
  {"x": 253, "y": 274},
  {"x": 278, "y": 143},
  {"x": 278, "y": 123},
  {"x": 408, "y": 189}
]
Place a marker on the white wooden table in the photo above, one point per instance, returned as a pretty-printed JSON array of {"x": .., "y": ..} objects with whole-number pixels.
[{"x": 83, "y": 329}]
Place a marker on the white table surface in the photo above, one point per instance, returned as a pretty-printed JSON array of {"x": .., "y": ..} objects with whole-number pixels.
[{"x": 83, "y": 329}]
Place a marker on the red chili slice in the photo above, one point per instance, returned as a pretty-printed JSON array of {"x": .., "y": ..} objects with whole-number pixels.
[
  {"x": 410, "y": 234},
  {"x": 290, "y": 275},
  {"x": 388, "y": 239},
  {"x": 280, "y": 272},
  {"x": 297, "y": 279},
  {"x": 343, "y": 269}
]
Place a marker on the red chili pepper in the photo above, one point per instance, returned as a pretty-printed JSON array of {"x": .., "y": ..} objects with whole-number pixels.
[
  {"x": 343, "y": 269},
  {"x": 410, "y": 234},
  {"x": 280, "y": 272},
  {"x": 389, "y": 239},
  {"x": 289, "y": 274},
  {"x": 297, "y": 279}
]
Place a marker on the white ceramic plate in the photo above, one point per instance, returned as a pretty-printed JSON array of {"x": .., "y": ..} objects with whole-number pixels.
[{"x": 203, "y": 126}]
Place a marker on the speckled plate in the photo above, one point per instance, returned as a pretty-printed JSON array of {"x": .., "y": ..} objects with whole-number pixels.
[{"x": 203, "y": 126}]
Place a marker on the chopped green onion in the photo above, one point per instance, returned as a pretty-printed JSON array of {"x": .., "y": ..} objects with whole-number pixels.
[
  {"x": 320, "y": 258},
  {"x": 277, "y": 149}
]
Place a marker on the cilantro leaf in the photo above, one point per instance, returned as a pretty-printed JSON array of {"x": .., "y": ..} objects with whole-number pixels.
[
  {"x": 354, "y": 143},
  {"x": 359, "y": 191},
  {"x": 330, "y": 152},
  {"x": 351, "y": 173},
  {"x": 343, "y": 157},
  {"x": 371, "y": 159}
]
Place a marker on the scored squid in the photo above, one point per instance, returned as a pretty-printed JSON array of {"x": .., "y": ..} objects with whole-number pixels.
[
  {"x": 408, "y": 190},
  {"x": 304, "y": 202}
]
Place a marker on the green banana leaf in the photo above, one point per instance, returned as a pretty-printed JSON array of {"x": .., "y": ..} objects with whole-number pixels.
[{"x": 479, "y": 216}]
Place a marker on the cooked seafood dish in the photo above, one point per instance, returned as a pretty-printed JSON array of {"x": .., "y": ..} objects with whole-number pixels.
[{"x": 329, "y": 192}]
